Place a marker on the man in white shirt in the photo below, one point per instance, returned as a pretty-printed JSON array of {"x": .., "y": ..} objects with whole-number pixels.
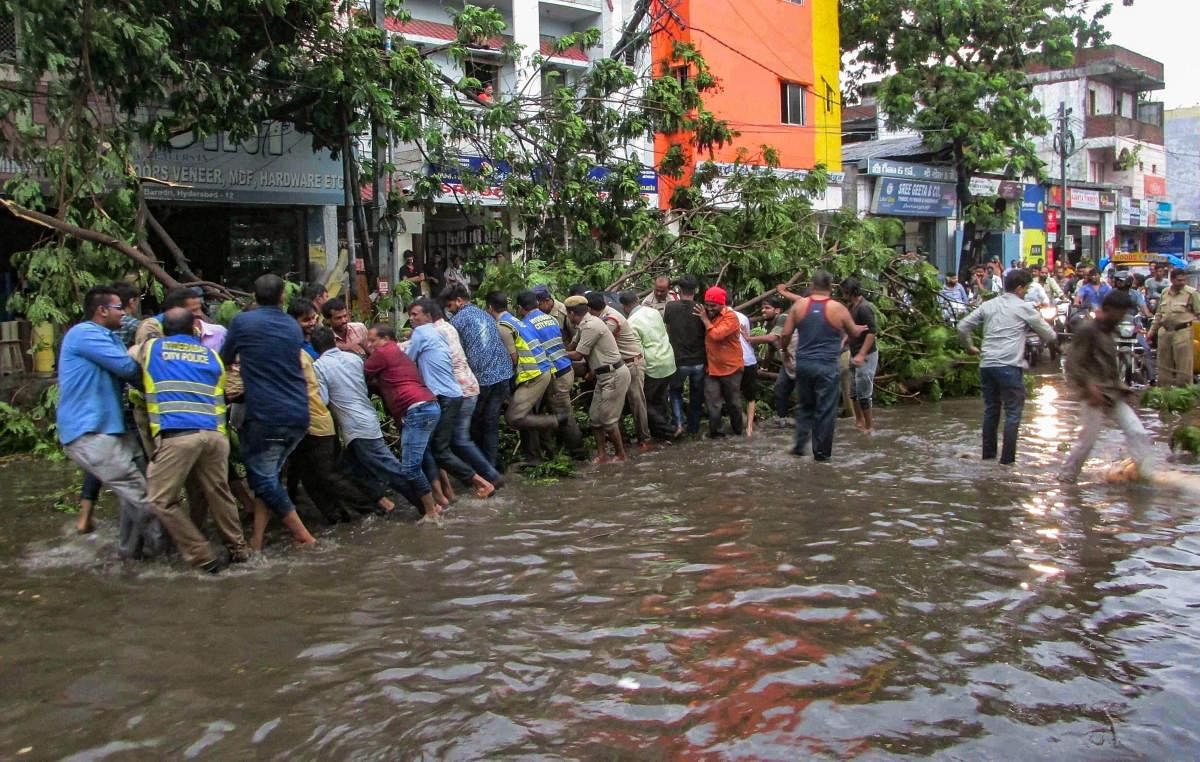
[{"x": 1005, "y": 321}]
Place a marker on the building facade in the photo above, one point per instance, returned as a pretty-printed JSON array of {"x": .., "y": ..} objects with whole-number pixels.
[
  {"x": 777, "y": 65},
  {"x": 1182, "y": 134},
  {"x": 1116, "y": 168}
]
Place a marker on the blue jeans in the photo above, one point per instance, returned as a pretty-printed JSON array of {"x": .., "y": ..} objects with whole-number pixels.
[
  {"x": 265, "y": 448},
  {"x": 378, "y": 468},
  {"x": 1003, "y": 385},
  {"x": 419, "y": 424},
  {"x": 819, "y": 391},
  {"x": 443, "y": 438},
  {"x": 467, "y": 450},
  {"x": 485, "y": 421},
  {"x": 694, "y": 375}
]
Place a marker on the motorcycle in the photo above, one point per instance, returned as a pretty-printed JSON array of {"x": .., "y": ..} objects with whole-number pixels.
[
  {"x": 1131, "y": 358},
  {"x": 1034, "y": 343}
]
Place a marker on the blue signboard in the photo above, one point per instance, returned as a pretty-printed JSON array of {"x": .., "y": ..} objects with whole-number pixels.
[
  {"x": 1166, "y": 242},
  {"x": 913, "y": 198},
  {"x": 1033, "y": 207}
]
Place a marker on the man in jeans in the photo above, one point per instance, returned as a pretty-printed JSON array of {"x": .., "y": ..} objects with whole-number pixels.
[
  {"x": 91, "y": 423},
  {"x": 821, "y": 326},
  {"x": 1005, "y": 320},
  {"x": 479, "y": 335},
  {"x": 268, "y": 343},
  {"x": 342, "y": 379},
  {"x": 430, "y": 352},
  {"x": 1092, "y": 369},
  {"x": 686, "y": 333}
]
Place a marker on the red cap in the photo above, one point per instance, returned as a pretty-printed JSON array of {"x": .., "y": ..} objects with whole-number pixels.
[{"x": 716, "y": 295}]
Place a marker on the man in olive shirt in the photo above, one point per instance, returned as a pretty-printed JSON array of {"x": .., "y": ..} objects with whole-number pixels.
[
  {"x": 630, "y": 347},
  {"x": 596, "y": 344},
  {"x": 1092, "y": 369},
  {"x": 1171, "y": 330}
]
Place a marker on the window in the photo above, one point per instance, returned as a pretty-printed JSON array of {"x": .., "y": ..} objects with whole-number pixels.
[
  {"x": 680, "y": 73},
  {"x": 791, "y": 103},
  {"x": 8, "y": 38},
  {"x": 1120, "y": 103},
  {"x": 486, "y": 72},
  {"x": 1092, "y": 101},
  {"x": 553, "y": 78},
  {"x": 1154, "y": 169}
]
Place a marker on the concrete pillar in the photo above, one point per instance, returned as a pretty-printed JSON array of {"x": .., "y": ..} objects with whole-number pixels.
[{"x": 526, "y": 30}]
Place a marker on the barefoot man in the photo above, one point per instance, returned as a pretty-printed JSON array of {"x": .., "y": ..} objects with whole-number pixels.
[{"x": 595, "y": 344}]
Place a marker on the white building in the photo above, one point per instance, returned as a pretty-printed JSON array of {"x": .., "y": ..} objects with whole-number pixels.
[{"x": 1118, "y": 161}]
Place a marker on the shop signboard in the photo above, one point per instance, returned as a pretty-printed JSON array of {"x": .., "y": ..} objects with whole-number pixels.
[
  {"x": 830, "y": 198},
  {"x": 989, "y": 186},
  {"x": 1166, "y": 242},
  {"x": 1085, "y": 199},
  {"x": 1033, "y": 207},
  {"x": 277, "y": 167},
  {"x": 1129, "y": 214},
  {"x": 1161, "y": 214},
  {"x": 913, "y": 198},
  {"x": 1051, "y": 219},
  {"x": 454, "y": 190},
  {"x": 1155, "y": 187},
  {"x": 889, "y": 168}
]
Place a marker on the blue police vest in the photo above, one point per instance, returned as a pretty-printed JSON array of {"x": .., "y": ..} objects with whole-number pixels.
[
  {"x": 184, "y": 385},
  {"x": 550, "y": 335}
]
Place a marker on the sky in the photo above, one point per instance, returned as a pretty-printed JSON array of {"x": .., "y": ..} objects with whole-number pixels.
[{"x": 1164, "y": 30}]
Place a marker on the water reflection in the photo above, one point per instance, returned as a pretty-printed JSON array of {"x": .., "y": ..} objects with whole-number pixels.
[{"x": 710, "y": 602}]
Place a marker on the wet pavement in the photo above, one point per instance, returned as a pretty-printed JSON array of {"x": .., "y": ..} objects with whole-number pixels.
[{"x": 719, "y": 599}]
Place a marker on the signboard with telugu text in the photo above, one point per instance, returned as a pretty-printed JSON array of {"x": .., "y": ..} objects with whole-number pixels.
[{"x": 889, "y": 168}]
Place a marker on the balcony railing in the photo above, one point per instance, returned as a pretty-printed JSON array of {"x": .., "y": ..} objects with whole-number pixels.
[{"x": 1113, "y": 126}]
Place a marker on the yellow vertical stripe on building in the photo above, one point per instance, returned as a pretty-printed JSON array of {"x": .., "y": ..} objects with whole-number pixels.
[{"x": 826, "y": 37}]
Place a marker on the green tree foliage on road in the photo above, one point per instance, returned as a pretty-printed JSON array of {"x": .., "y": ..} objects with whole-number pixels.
[{"x": 956, "y": 70}]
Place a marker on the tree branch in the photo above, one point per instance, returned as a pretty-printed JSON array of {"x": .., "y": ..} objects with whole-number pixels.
[
  {"x": 181, "y": 260},
  {"x": 85, "y": 234}
]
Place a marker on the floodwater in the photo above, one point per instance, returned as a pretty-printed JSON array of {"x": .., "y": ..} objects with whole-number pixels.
[{"x": 722, "y": 600}]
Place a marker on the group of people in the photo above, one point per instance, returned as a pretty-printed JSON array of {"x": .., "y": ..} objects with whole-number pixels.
[
  {"x": 287, "y": 396},
  {"x": 1091, "y": 363},
  {"x": 296, "y": 395}
]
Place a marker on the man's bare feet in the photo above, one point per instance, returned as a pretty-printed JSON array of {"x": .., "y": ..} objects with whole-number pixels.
[
  {"x": 645, "y": 447},
  {"x": 84, "y": 525},
  {"x": 386, "y": 504},
  {"x": 483, "y": 488},
  {"x": 618, "y": 458},
  {"x": 600, "y": 460}
]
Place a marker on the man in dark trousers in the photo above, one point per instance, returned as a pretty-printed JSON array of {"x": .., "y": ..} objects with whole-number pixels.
[{"x": 821, "y": 326}]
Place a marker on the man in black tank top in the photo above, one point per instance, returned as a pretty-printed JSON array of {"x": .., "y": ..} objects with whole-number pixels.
[{"x": 821, "y": 325}]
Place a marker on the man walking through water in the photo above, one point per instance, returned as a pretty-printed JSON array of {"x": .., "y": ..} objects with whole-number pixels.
[
  {"x": 1092, "y": 369},
  {"x": 821, "y": 325},
  {"x": 1005, "y": 320}
]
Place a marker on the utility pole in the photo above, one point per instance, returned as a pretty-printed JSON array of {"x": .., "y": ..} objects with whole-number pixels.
[
  {"x": 380, "y": 139},
  {"x": 1064, "y": 146}
]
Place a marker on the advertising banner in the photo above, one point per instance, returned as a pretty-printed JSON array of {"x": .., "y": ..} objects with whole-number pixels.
[
  {"x": 913, "y": 198},
  {"x": 1033, "y": 207}
]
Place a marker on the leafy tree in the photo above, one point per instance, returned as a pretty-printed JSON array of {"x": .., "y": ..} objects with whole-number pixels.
[{"x": 956, "y": 70}]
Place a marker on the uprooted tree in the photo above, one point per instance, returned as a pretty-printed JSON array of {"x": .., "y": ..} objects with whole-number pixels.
[{"x": 100, "y": 85}]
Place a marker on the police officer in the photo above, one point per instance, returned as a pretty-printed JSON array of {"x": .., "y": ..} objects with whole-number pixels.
[
  {"x": 1178, "y": 308},
  {"x": 184, "y": 385},
  {"x": 558, "y": 396}
]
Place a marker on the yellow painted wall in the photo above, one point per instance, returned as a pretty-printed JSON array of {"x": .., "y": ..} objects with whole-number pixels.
[{"x": 826, "y": 65}]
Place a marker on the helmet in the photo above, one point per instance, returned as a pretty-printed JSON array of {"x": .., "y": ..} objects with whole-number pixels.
[{"x": 1122, "y": 279}]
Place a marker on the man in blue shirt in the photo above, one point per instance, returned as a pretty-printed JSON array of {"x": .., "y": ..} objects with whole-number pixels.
[
  {"x": 268, "y": 343},
  {"x": 430, "y": 352},
  {"x": 91, "y": 422},
  {"x": 1092, "y": 292},
  {"x": 489, "y": 361}
]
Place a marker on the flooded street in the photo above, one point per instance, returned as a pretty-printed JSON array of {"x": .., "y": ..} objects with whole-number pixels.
[{"x": 714, "y": 598}]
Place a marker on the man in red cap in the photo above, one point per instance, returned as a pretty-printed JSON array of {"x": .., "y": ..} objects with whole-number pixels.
[{"x": 723, "y": 345}]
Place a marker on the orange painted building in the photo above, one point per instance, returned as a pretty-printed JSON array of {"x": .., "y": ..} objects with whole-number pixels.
[{"x": 776, "y": 63}]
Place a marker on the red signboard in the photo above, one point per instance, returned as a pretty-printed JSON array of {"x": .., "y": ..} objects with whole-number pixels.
[
  {"x": 1156, "y": 186},
  {"x": 1051, "y": 220}
]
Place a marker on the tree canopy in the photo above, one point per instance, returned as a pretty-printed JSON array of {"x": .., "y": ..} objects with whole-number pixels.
[{"x": 956, "y": 71}]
